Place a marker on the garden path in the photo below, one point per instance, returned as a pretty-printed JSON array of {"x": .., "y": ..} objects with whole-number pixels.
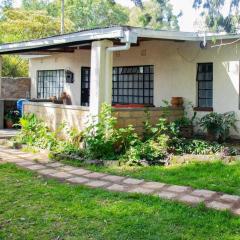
[{"x": 39, "y": 163}]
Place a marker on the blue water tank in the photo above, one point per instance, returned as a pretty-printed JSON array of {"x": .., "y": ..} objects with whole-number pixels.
[{"x": 20, "y": 105}]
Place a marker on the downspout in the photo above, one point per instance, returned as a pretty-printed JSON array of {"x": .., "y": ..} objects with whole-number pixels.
[{"x": 119, "y": 48}]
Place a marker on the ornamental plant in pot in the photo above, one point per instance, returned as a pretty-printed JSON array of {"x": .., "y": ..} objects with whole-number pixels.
[
  {"x": 218, "y": 125},
  {"x": 212, "y": 122},
  {"x": 186, "y": 123},
  {"x": 11, "y": 118}
]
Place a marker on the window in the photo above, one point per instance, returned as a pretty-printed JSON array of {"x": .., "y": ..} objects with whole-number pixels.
[
  {"x": 50, "y": 83},
  {"x": 133, "y": 85},
  {"x": 205, "y": 85}
]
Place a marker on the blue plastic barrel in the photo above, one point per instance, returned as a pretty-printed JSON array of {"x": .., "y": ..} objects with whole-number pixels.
[{"x": 20, "y": 105}]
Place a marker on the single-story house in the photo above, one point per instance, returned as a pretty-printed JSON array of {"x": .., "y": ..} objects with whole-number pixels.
[{"x": 129, "y": 65}]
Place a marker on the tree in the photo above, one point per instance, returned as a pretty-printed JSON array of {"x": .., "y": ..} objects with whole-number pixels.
[
  {"x": 215, "y": 19},
  {"x": 95, "y": 13},
  {"x": 18, "y": 25},
  {"x": 156, "y": 14},
  {"x": 6, "y": 4}
]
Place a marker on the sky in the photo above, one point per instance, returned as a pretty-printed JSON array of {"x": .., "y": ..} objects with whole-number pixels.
[{"x": 186, "y": 22}]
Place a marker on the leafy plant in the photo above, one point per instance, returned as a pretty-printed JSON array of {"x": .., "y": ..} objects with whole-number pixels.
[
  {"x": 13, "y": 116},
  {"x": 100, "y": 136},
  {"x": 219, "y": 124}
]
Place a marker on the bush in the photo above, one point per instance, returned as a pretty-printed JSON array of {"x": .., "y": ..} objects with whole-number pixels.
[
  {"x": 218, "y": 125},
  {"x": 102, "y": 140},
  {"x": 35, "y": 132}
]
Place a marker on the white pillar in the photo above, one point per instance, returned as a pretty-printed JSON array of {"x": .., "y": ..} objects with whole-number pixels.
[
  {"x": 101, "y": 76},
  {"x": 1, "y": 76},
  {"x": 1, "y": 101}
]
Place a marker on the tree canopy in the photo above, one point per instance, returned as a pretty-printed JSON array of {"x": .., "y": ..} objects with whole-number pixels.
[
  {"x": 215, "y": 19},
  {"x": 154, "y": 14}
]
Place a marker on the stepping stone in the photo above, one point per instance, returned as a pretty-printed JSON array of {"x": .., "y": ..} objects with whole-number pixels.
[
  {"x": 230, "y": 198},
  {"x": 153, "y": 185},
  {"x": 204, "y": 193},
  {"x": 55, "y": 164},
  {"x": 167, "y": 195},
  {"x": 133, "y": 181},
  {"x": 67, "y": 168},
  {"x": 191, "y": 199},
  {"x": 97, "y": 183},
  {"x": 77, "y": 180},
  {"x": 236, "y": 211},
  {"x": 61, "y": 175},
  {"x": 79, "y": 171},
  {"x": 113, "y": 178},
  {"x": 35, "y": 167},
  {"x": 219, "y": 205},
  {"x": 24, "y": 163},
  {"x": 141, "y": 190},
  {"x": 117, "y": 188},
  {"x": 47, "y": 171},
  {"x": 94, "y": 175},
  {"x": 178, "y": 189}
]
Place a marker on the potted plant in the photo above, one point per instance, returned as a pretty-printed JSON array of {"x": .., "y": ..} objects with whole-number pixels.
[
  {"x": 218, "y": 125},
  {"x": 185, "y": 127},
  {"x": 186, "y": 123},
  {"x": 212, "y": 122},
  {"x": 11, "y": 118}
]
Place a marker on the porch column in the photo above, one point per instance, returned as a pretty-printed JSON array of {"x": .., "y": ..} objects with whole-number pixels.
[
  {"x": 1, "y": 100},
  {"x": 101, "y": 76},
  {"x": 1, "y": 76}
]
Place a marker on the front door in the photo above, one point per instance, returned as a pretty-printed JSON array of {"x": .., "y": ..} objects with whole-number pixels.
[{"x": 85, "y": 86}]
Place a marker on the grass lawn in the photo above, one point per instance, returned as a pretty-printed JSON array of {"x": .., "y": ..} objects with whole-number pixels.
[
  {"x": 34, "y": 208},
  {"x": 215, "y": 176}
]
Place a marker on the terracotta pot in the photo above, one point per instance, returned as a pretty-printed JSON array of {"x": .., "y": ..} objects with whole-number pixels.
[
  {"x": 177, "y": 101},
  {"x": 9, "y": 124}
]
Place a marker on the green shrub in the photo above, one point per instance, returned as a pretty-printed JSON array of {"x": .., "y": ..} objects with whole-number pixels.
[
  {"x": 219, "y": 124},
  {"x": 102, "y": 140},
  {"x": 100, "y": 136},
  {"x": 35, "y": 132}
]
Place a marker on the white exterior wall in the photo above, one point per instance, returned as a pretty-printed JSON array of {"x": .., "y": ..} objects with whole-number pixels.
[{"x": 175, "y": 67}]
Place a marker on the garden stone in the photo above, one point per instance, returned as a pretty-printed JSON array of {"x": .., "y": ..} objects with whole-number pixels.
[
  {"x": 230, "y": 198},
  {"x": 204, "y": 193},
  {"x": 219, "y": 205},
  {"x": 79, "y": 171},
  {"x": 24, "y": 163},
  {"x": 191, "y": 199},
  {"x": 47, "y": 171},
  {"x": 61, "y": 175},
  {"x": 67, "y": 168},
  {"x": 117, "y": 188},
  {"x": 133, "y": 181},
  {"x": 178, "y": 189},
  {"x": 97, "y": 183},
  {"x": 141, "y": 190},
  {"x": 236, "y": 211},
  {"x": 94, "y": 175},
  {"x": 113, "y": 178},
  {"x": 35, "y": 167},
  {"x": 167, "y": 195},
  {"x": 153, "y": 185},
  {"x": 55, "y": 164},
  {"x": 77, "y": 180}
]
